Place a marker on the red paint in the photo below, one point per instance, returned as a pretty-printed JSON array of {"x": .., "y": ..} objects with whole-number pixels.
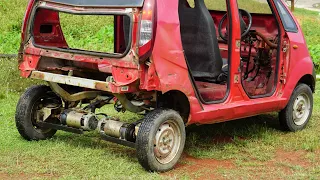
[
  {"x": 46, "y": 17},
  {"x": 166, "y": 68}
]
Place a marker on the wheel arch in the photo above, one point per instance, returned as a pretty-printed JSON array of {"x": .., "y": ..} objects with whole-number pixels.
[
  {"x": 176, "y": 100},
  {"x": 309, "y": 80}
]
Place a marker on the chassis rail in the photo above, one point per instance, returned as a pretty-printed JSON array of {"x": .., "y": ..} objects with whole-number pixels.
[{"x": 70, "y": 80}]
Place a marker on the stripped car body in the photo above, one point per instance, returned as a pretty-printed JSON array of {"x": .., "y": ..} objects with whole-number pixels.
[{"x": 152, "y": 65}]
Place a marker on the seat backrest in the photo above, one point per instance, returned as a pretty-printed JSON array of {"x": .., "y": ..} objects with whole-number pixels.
[{"x": 199, "y": 39}]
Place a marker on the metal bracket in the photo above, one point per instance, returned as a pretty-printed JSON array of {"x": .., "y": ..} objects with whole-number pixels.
[
  {"x": 74, "y": 97},
  {"x": 59, "y": 127},
  {"x": 118, "y": 141}
]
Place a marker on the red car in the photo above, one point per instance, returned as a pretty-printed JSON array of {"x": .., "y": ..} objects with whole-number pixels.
[{"x": 177, "y": 62}]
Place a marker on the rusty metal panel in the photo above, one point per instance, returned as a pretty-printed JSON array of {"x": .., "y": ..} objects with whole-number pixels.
[{"x": 70, "y": 80}]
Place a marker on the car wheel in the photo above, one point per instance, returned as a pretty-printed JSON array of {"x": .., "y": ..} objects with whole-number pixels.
[
  {"x": 297, "y": 113},
  {"x": 160, "y": 140},
  {"x": 33, "y": 100}
]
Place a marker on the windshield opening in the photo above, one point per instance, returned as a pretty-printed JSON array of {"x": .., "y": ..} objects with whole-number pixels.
[{"x": 252, "y": 6}]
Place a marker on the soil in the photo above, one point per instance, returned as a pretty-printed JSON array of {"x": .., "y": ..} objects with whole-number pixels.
[
  {"x": 200, "y": 168},
  {"x": 282, "y": 162}
]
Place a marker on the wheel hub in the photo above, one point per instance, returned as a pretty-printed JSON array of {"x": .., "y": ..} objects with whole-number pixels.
[
  {"x": 167, "y": 142},
  {"x": 301, "y": 109}
]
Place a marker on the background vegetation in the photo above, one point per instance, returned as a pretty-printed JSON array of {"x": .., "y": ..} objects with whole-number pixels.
[
  {"x": 249, "y": 148},
  {"x": 97, "y": 33}
]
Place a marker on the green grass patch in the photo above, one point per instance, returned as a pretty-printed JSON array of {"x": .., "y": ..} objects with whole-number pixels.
[
  {"x": 11, "y": 81},
  {"x": 11, "y": 15},
  {"x": 66, "y": 156},
  {"x": 248, "y": 143},
  {"x": 96, "y": 32},
  {"x": 88, "y": 32},
  {"x": 310, "y": 23},
  {"x": 251, "y": 6}
]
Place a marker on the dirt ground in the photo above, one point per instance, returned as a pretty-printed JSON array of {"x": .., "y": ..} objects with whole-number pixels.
[{"x": 283, "y": 161}]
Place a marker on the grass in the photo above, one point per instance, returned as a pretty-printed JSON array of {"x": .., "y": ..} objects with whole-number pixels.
[
  {"x": 310, "y": 23},
  {"x": 248, "y": 144},
  {"x": 95, "y": 32},
  {"x": 10, "y": 24},
  {"x": 88, "y": 32},
  {"x": 248, "y": 148},
  {"x": 82, "y": 32},
  {"x": 220, "y": 5}
]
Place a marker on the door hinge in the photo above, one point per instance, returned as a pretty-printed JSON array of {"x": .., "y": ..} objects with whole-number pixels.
[
  {"x": 285, "y": 46},
  {"x": 283, "y": 75}
]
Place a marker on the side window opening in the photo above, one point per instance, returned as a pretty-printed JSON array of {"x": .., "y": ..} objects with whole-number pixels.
[{"x": 288, "y": 22}]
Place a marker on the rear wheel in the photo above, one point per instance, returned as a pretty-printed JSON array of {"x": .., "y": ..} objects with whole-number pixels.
[
  {"x": 297, "y": 113},
  {"x": 29, "y": 110},
  {"x": 160, "y": 140}
]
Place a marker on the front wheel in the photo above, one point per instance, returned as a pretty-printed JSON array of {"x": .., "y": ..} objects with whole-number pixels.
[
  {"x": 297, "y": 113},
  {"x": 160, "y": 140}
]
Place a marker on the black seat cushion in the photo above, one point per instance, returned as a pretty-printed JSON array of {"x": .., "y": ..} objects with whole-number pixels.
[{"x": 199, "y": 40}]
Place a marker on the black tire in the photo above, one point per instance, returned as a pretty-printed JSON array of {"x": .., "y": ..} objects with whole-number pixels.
[
  {"x": 148, "y": 150},
  {"x": 300, "y": 105},
  {"x": 25, "y": 112}
]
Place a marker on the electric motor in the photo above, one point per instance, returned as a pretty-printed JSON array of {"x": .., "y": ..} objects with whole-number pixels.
[
  {"x": 118, "y": 129},
  {"x": 85, "y": 121}
]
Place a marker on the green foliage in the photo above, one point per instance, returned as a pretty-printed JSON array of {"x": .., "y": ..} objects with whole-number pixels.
[
  {"x": 249, "y": 145},
  {"x": 11, "y": 15},
  {"x": 96, "y": 32},
  {"x": 254, "y": 141},
  {"x": 252, "y": 6},
  {"x": 81, "y": 32},
  {"x": 310, "y": 23},
  {"x": 315, "y": 54},
  {"x": 88, "y": 32},
  {"x": 11, "y": 81}
]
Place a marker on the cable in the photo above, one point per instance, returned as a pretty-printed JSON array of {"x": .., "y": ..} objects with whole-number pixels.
[{"x": 8, "y": 55}]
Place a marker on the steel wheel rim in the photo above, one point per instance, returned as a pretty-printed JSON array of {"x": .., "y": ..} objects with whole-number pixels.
[
  {"x": 167, "y": 142},
  {"x": 301, "y": 109},
  {"x": 36, "y": 107}
]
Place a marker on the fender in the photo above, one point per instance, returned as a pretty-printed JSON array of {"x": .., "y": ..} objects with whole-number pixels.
[{"x": 300, "y": 69}]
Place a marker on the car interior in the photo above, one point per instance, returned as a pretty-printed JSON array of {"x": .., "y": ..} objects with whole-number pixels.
[{"x": 205, "y": 42}]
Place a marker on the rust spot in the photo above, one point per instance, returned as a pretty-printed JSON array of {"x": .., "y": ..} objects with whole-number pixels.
[
  {"x": 37, "y": 75},
  {"x": 102, "y": 86}
]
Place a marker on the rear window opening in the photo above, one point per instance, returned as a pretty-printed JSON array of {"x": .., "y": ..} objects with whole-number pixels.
[
  {"x": 88, "y": 32},
  {"x": 81, "y": 33}
]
